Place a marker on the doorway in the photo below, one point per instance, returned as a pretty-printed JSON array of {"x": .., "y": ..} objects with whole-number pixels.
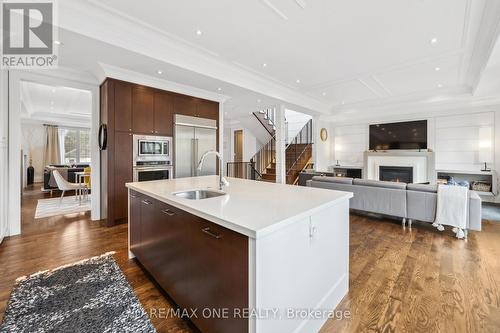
[
  {"x": 68, "y": 110},
  {"x": 238, "y": 153}
]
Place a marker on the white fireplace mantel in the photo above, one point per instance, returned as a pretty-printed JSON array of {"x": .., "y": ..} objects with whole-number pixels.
[{"x": 422, "y": 162}]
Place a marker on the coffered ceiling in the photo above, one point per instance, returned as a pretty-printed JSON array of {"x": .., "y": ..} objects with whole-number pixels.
[
  {"x": 340, "y": 54},
  {"x": 55, "y": 104}
]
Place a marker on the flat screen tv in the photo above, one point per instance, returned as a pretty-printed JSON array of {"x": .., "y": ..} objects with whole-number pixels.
[{"x": 404, "y": 135}]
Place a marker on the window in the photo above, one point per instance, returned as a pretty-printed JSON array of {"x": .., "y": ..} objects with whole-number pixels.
[{"x": 75, "y": 145}]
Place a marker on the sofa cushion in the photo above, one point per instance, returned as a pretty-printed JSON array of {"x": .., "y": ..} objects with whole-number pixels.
[
  {"x": 379, "y": 183},
  {"x": 340, "y": 180},
  {"x": 422, "y": 188}
]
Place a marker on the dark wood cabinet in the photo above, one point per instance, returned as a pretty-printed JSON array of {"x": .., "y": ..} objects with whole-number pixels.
[
  {"x": 127, "y": 109},
  {"x": 198, "y": 263},
  {"x": 123, "y": 107},
  {"x": 185, "y": 106},
  {"x": 135, "y": 228},
  {"x": 218, "y": 275},
  {"x": 142, "y": 110},
  {"x": 207, "y": 109},
  {"x": 163, "y": 114},
  {"x": 122, "y": 174}
]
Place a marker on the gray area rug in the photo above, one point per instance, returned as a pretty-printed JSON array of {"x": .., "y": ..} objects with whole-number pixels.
[{"x": 92, "y": 295}]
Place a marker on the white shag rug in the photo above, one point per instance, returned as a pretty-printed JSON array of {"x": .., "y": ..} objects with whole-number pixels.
[{"x": 56, "y": 206}]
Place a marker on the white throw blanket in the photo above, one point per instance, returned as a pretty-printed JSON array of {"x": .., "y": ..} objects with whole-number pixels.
[{"x": 452, "y": 208}]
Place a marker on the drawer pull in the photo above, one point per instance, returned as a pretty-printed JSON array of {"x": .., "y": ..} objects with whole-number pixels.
[
  {"x": 208, "y": 232},
  {"x": 146, "y": 202},
  {"x": 168, "y": 212}
]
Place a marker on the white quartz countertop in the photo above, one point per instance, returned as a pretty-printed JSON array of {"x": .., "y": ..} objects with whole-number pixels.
[{"x": 250, "y": 207}]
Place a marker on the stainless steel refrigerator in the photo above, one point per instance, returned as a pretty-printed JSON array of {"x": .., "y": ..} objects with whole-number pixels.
[{"x": 193, "y": 137}]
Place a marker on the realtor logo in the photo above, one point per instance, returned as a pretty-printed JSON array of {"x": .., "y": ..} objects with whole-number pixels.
[{"x": 28, "y": 34}]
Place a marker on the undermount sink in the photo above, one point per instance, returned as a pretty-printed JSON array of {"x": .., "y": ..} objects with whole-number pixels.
[{"x": 199, "y": 194}]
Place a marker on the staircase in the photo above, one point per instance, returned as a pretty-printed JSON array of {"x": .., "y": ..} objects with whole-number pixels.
[
  {"x": 297, "y": 158},
  {"x": 267, "y": 119},
  {"x": 298, "y": 154}
]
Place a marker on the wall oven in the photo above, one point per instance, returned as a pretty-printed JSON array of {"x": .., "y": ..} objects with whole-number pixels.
[
  {"x": 152, "y": 158},
  {"x": 152, "y": 171}
]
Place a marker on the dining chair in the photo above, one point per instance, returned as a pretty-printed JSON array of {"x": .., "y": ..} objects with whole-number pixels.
[{"x": 65, "y": 185}]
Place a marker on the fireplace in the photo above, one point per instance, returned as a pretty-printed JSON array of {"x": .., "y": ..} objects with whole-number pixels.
[{"x": 396, "y": 174}]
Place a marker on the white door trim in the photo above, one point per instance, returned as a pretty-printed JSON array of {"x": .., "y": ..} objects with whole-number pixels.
[{"x": 58, "y": 78}]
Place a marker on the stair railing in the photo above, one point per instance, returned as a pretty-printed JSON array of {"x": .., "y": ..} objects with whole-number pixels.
[
  {"x": 264, "y": 157},
  {"x": 267, "y": 118},
  {"x": 244, "y": 170},
  {"x": 296, "y": 149}
]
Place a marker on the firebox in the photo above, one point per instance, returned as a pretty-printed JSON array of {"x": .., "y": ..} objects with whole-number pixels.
[{"x": 396, "y": 174}]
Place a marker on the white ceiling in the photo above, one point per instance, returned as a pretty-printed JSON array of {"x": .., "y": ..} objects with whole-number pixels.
[
  {"x": 348, "y": 55},
  {"x": 55, "y": 104}
]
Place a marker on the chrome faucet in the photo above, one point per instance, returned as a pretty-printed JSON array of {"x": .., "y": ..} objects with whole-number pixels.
[{"x": 222, "y": 181}]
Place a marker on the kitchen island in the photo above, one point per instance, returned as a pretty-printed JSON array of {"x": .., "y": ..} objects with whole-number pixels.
[{"x": 257, "y": 257}]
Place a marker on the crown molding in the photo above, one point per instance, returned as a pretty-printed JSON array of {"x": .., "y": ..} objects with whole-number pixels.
[
  {"x": 487, "y": 36},
  {"x": 114, "y": 28},
  {"x": 123, "y": 74},
  {"x": 405, "y": 111}
]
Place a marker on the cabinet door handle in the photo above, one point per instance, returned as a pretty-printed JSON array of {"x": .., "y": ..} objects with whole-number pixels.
[
  {"x": 208, "y": 232},
  {"x": 168, "y": 212},
  {"x": 146, "y": 202}
]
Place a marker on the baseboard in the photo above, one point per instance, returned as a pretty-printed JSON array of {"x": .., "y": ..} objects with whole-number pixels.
[{"x": 331, "y": 300}]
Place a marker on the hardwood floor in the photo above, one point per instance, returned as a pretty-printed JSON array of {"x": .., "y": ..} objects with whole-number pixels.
[{"x": 412, "y": 280}]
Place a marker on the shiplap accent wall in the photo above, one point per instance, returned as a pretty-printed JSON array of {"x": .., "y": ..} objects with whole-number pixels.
[
  {"x": 457, "y": 140},
  {"x": 350, "y": 143},
  {"x": 454, "y": 138}
]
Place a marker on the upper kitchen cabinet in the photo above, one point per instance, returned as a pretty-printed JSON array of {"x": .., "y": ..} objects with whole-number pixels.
[
  {"x": 207, "y": 109},
  {"x": 142, "y": 110},
  {"x": 163, "y": 113},
  {"x": 123, "y": 106},
  {"x": 185, "y": 105},
  {"x": 195, "y": 107}
]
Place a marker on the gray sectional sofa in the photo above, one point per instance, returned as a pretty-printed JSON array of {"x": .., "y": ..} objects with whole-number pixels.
[{"x": 406, "y": 201}]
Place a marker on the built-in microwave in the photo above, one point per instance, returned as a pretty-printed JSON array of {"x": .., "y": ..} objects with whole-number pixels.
[
  {"x": 148, "y": 148},
  {"x": 154, "y": 146}
]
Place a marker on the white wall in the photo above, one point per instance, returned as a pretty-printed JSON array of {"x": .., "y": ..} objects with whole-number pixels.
[
  {"x": 454, "y": 137},
  {"x": 32, "y": 144},
  {"x": 3, "y": 154},
  {"x": 322, "y": 150},
  {"x": 351, "y": 142},
  {"x": 457, "y": 140},
  {"x": 295, "y": 122},
  {"x": 250, "y": 143}
]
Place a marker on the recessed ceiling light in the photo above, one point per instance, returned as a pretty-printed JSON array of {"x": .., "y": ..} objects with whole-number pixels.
[
  {"x": 53, "y": 90},
  {"x": 198, "y": 32},
  {"x": 219, "y": 89},
  {"x": 264, "y": 65},
  {"x": 160, "y": 72},
  {"x": 434, "y": 40},
  {"x": 324, "y": 93},
  {"x": 298, "y": 81},
  {"x": 437, "y": 69},
  {"x": 58, "y": 42},
  {"x": 440, "y": 85},
  {"x": 258, "y": 101},
  {"x": 343, "y": 102}
]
